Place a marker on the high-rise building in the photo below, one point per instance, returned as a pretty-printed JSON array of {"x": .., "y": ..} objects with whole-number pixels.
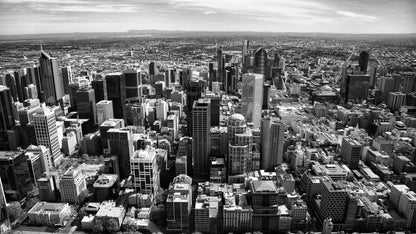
[
  {"x": 363, "y": 61},
  {"x": 409, "y": 84},
  {"x": 35, "y": 166},
  {"x": 272, "y": 133},
  {"x": 220, "y": 65},
  {"x": 240, "y": 154},
  {"x": 47, "y": 133},
  {"x": 100, "y": 89},
  {"x": 71, "y": 185},
  {"x": 152, "y": 72},
  {"x": 386, "y": 86},
  {"x": 85, "y": 102},
  {"x": 120, "y": 142},
  {"x": 351, "y": 152},
  {"x": 104, "y": 111},
  {"x": 356, "y": 87},
  {"x": 14, "y": 173},
  {"x": 11, "y": 84},
  {"x": 6, "y": 116},
  {"x": 334, "y": 201},
  {"x": 252, "y": 98},
  {"x": 179, "y": 203},
  {"x": 265, "y": 197},
  {"x": 201, "y": 121},
  {"x": 34, "y": 78},
  {"x": 373, "y": 77},
  {"x": 215, "y": 108},
  {"x": 246, "y": 45},
  {"x": 19, "y": 77},
  {"x": 260, "y": 62},
  {"x": 396, "y": 100},
  {"x": 145, "y": 171},
  {"x": 107, "y": 125},
  {"x": 50, "y": 76},
  {"x": 66, "y": 77},
  {"x": 116, "y": 91},
  {"x": 193, "y": 93},
  {"x": 133, "y": 83}
]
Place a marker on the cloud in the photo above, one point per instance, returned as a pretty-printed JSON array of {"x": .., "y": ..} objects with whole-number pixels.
[
  {"x": 209, "y": 12},
  {"x": 352, "y": 15}
]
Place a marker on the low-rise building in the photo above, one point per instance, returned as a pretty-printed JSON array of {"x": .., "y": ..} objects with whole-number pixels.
[{"x": 49, "y": 214}]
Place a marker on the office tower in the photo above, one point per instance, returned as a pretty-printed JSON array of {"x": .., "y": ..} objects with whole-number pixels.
[
  {"x": 34, "y": 78},
  {"x": 220, "y": 65},
  {"x": 71, "y": 185},
  {"x": 46, "y": 132},
  {"x": 66, "y": 77},
  {"x": 211, "y": 75},
  {"x": 207, "y": 214},
  {"x": 133, "y": 83},
  {"x": 272, "y": 133},
  {"x": 260, "y": 62},
  {"x": 136, "y": 112},
  {"x": 85, "y": 102},
  {"x": 107, "y": 125},
  {"x": 6, "y": 116},
  {"x": 116, "y": 91},
  {"x": 356, "y": 88},
  {"x": 351, "y": 152},
  {"x": 30, "y": 92},
  {"x": 265, "y": 196},
  {"x": 373, "y": 77},
  {"x": 396, "y": 100},
  {"x": 409, "y": 84},
  {"x": 171, "y": 75},
  {"x": 201, "y": 125},
  {"x": 236, "y": 125},
  {"x": 100, "y": 89},
  {"x": 244, "y": 51},
  {"x": 45, "y": 155},
  {"x": 47, "y": 189},
  {"x": 11, "y": 84},
  {"x": 240, "y": 153},
  {"x": 193, "y": 93},
  {"x": 215, "y": 108},
  {"x": 179, "y": 203},
  {"x": 152, "y": 72},
  {"x": 266, "y": 88},
  {"x": 19, "y": 84},
  {"x": 14, "y": 173},
  {"x": 363, "y": 61},
  {"x": 50, "y": 76},
  {"x": 252, "y": 98},
  {"x": 162, "y": 108},
  {"x": 334, "y": 201},
  {"x": 386, "y": 86},
  {"x": 120, "y": 142},
  {"x": 35, "y": 165},
  {"x": 104, "y": 111},
  {"x": 145, "y": 171}
]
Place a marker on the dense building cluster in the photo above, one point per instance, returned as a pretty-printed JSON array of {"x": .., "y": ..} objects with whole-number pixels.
[{"x": 263, "y": 138}]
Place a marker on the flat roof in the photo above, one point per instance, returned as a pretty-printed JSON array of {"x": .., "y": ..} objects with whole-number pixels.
[{"x": 263, "y": 186}]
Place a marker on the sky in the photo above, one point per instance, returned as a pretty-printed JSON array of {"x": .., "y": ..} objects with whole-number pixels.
[{"x": 333, "y": 16}]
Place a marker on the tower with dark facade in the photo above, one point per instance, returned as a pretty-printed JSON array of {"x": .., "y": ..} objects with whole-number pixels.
[
  {"x": 52, "y": 84},
  {"x": 6, "y": 116},
  {"x": 116, "y": 91}
]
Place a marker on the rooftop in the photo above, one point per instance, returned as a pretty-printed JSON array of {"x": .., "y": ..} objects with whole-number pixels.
[
  {"x": 263, "y": 186},
  {"x": 105, "y": 181},
  {"x": 48, "y": 207},
  {"x": 10, "y": 155}
]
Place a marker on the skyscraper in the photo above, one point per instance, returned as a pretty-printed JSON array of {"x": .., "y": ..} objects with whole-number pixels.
[
  {"x": 409, "y": 83},
  {"x": 104, "y": 111},
  {"x": 363, "y": 61},
  {"x": 396, "y": 100},
  {"x": 145, "y": 171},
  {"x": 66, "y": 77},
  {"x": 6, "y": 116},
  {"x": 351, "y": 152},
  {"x": 201, "y": 121},
  {"x": 252, "y": 98},
  {"x": 244, "y": 55},
  {"x": 100, "y": 89},
  {"x": 272, "y": 133},
  {"x": 152, "y": 72},
  {"x": 46, "y": 132},
  {"x": 34, "y": 78},
  {"x": 193, "y": 93},
  {"x": 50, "y": 76},
  {"x": 334, "y": 201},
  {"x": 11, "y": 84},
  {"x": 356, "y": 87},
  {"x": 215, "y": 108},
  {"x": 116, "y": 91},
  {"x": 85, "y": 99},
  {"x": 120, "y": 142},
  {"x": 133, "y": 83},
  {"x": 386, "y": 86},
  {"x": 260, "y": 61},
  {"x": 179, "y": 203},
  {"x": 220, "y": 65}
]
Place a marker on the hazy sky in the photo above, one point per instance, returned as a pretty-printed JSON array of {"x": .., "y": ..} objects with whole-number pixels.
[{"x": 338, "y": 16}]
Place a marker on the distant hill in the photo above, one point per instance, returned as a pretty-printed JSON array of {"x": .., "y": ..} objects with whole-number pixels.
[{"x": 178, "y": 33}]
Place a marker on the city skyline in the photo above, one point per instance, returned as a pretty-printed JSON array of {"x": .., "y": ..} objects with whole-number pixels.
[{"x": 53, "y": 16}]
